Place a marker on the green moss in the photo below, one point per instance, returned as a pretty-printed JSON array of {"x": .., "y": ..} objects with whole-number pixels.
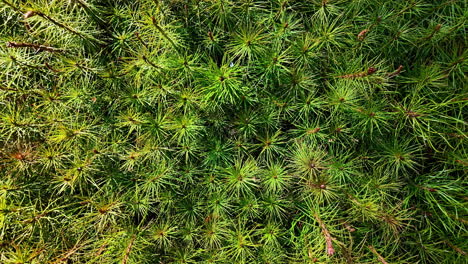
[{"x": 222, "y": 131}]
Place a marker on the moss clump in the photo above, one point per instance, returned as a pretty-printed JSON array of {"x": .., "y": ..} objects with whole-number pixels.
[{"x": 221, "y": 131}]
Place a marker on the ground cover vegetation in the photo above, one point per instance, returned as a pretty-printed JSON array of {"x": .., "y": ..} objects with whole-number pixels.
[{"x": 222, "y": 131}]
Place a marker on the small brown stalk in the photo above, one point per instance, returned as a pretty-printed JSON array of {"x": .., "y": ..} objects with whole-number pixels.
[
  {"x": 381, "y": 259},
  {"x": 11, "y": 44},
  {"x": 369, "y": 71},
  {"x": 396, "y": 72},
  {"x": 362, "y": 35},
  {"x": 327, "y": 235},
  {"x": 128, "y": 250}
]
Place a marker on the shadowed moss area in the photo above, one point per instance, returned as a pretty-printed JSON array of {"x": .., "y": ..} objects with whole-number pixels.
[{"x": 222, "y": 131}]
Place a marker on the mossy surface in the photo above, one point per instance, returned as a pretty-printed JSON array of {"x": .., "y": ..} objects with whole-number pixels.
[{"x": 222, "y": 131}]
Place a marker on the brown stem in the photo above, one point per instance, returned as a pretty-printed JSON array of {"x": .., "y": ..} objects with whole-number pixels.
[
  {"x": 464, "y": 163},
  {"x": 26, "y": 16},
  {"x": 462, "y": 59},
  {"x": 150, "y": 62},
  {"x": 362, "y": 35},
  {"x": 381, "y": 259},
  {"x": 57, "y": 23},
  {"x": 412, "y": 114},
  {"x": 349, "y": 227},
  {"x": 67, "y": 255},
  {"x": 436, "y": 29},
  {"x": 128, "y": 250},
  {"x": 137, "y": 35},
  {"x": 35, "y": 218},
  {"x": 210, "y": 35},
  {"x": 156, "y": 25},
  {"x": 457, "y": 249},
  {"x": 11, "y": 44},
  {"x": 313, "y": 131},
  {"x": 61, "y": 25},
  {"x": 8, "y": 89},
  {"x": 50, "y": 67},
  {"x": 101, "y": 249},
  {"x": 396, "y": 72},
  {"x": 327, "y": 235},
  {"x": 426, "y": 188},
  {"x": 369, "y": 71}
]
